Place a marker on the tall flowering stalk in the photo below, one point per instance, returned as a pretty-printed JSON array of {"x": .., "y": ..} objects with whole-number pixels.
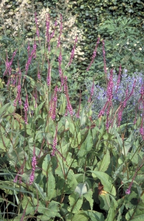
[
  {"x": 26, "y": 105},
  {"x": 94, "y": 54},
  {"x": 53, "y": 104},
  {"x": 72, "y": 52},
  {"x": 31, "y": 55},
  {"x": 9, "y": 63},
  {"x": 53, "y": 33},
  {"x": 34, "y": 163},
  {"x": 18, "y": 97},
  {"x": 49, "y": 74},
  {"x": 54, "y": 143},
  {"x": 69, "y": 107},
  {"x": 108, "y": 103},
  {"x": 128, "y": 97}
]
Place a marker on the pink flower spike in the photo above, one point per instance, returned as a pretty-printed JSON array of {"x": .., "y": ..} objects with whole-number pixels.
[
  {"x": 72, "y": 52},
  {"x": 94, "y": 54}
]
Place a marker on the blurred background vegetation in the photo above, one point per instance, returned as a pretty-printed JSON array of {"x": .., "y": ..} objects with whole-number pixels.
[{"x": 120, "y": 23}]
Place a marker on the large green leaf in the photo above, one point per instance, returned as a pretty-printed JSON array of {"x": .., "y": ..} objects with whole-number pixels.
[
  {"x": 51, "y": 191},
  {"x": 86, "y": 146},
  {"x": 3, "y": 109},
  {"x": 89, "y": 197},
  {"x": 104, "y": 163}
]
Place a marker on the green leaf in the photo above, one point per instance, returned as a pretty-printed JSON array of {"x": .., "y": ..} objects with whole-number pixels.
[
  {"x": 104, "y": 163},
  {"x": 89, "y": 197},
  {"x": 106, "y": 181},
  {"x": 94, "y": 215},
  {"x": 127, "y": 145},
  {"x": 51, "y": 192},
  {"x": 112, "y": 210},
  {"x": 45, "y": 164},
  {"x": 37, "y": 110},
  {"x": 83, "y": 118},
  {"x": 80, "y": 216},
  {"x": 3, "y": 109},
  {"x": 62, "y": 104},
  {"x": 86, "y": 145},
  {"x": 75, "y": 202}
]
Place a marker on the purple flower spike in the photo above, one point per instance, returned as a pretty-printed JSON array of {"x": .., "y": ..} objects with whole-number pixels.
[
  {"x": 72, "y": 52},
  {"x": 94, "y": 55}
]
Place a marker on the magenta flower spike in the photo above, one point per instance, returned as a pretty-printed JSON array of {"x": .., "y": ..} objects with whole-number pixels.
[
  {"x": 72, "y": 52},
  {"x": 52, "y": 34},
  {"x": 69, "y": 107},
  {"x": 94, "y": 54},
  {"x": 9, "y": 63},
  {"x": 127, "y": 97}
]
